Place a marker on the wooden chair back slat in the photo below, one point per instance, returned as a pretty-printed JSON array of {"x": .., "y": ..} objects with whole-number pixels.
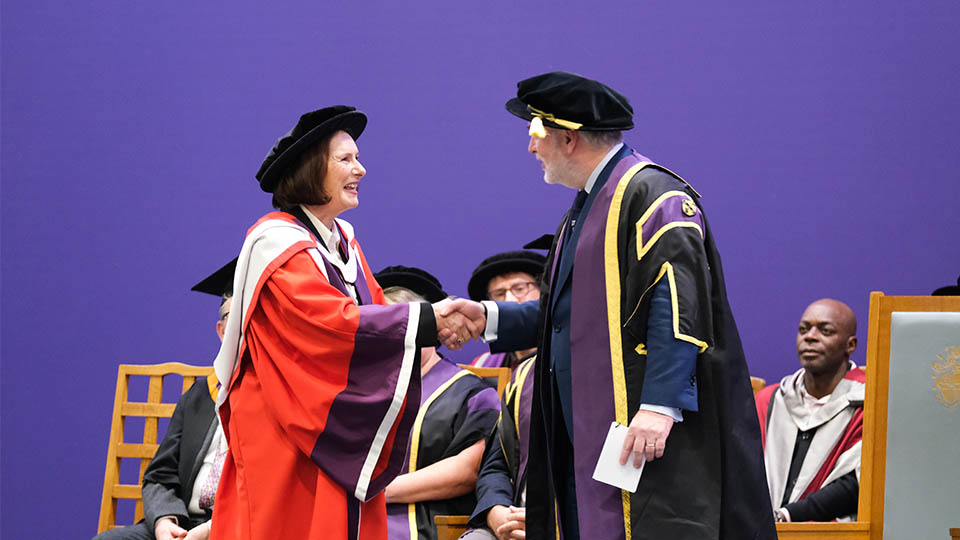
[
  {"x": 151, "y": 411},
  {"x": 126, "y": 491},
  {"x": 150, "y": 427},
  {"x": 137, "y": 450},
  {"x": 147, "y": 410},
  {"x": 502, "y": 375}
]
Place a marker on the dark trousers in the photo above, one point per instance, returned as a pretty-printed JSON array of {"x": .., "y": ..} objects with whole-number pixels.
[
  {"x": 566, "y": 484},
  {"x": 140, "y": 531}
]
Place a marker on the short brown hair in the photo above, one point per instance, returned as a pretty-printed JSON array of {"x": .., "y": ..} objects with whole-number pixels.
[{"x": 303, "y": 184}]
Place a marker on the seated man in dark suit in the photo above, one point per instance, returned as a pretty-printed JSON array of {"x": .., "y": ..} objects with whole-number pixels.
[
  {"x": 514, "y": 276},
  {"x": 500, "y": 512},
  {"x": 181, "y": 481},
  {"x": 812, "y": 422}
]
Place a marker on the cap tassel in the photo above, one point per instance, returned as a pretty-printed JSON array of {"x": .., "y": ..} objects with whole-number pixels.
[{"x": 536, "y": 128}]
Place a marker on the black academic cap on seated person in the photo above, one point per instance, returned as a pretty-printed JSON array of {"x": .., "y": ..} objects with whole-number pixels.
[
  {"x": 949, "y": 290},
  {"x": 503, "y": 263},
  {"x": 568, "y": 101},
  {"x": 219, "y": 283},
  {"x": 415, "y": 279},
  {"x": 544, "y": 242},
  {"x": 311, "y": 127}
]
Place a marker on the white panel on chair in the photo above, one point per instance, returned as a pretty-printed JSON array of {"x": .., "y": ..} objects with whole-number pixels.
[{"x": 922, "y": 496}]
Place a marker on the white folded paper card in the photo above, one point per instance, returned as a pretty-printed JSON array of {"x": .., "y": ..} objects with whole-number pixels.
[{"x": 609, "y": 470}]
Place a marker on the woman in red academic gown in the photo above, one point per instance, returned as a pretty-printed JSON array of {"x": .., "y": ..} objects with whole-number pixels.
[{"x": 321, "y": 381}]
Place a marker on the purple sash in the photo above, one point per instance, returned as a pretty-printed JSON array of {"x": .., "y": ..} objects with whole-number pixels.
[{"x": 600, "y": 506}]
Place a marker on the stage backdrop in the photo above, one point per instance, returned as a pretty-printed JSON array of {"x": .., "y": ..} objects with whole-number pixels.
[{"x": 822, "y": 135}]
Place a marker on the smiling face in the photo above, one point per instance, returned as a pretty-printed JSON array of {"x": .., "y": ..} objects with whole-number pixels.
[
  {"x": 826, "y": 337},
  {"x": 344, "y": 172}
]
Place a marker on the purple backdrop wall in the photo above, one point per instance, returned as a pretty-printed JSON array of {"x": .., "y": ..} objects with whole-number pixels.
[{"x": 822, "y": 135}]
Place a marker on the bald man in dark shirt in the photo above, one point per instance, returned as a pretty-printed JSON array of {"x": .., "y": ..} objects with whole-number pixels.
[{"x": 812, "y": 421}]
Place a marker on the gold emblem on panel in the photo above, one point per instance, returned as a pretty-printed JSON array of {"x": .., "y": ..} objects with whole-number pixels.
[
  {"x": 689, "y": 208},
  {"x": 946, "y": 377}
]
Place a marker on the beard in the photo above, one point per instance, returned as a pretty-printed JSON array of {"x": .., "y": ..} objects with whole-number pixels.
[{"x": 557, "y": 172}]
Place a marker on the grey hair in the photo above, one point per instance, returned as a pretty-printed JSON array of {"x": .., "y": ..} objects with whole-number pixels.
[
  {"x": 602, "y": 139},
  {"x": 400, "y": 295}
]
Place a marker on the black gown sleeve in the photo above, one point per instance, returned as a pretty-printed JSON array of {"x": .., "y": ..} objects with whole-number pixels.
[{"x": 836, "y": 499}]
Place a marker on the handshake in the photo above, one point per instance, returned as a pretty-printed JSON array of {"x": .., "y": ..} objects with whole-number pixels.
[{"x": 458, "y": 321}]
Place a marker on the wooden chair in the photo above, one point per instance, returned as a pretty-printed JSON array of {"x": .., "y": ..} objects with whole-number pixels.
[
  {"x": 451, "y": 527},
  {"x": 500, "y": 374},
  {"x": 151, "y": 410},
  {"x": 758, "y": 384}
]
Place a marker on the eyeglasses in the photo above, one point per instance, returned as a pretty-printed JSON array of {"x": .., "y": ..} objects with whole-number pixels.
[{"x": 518, "y": 290}]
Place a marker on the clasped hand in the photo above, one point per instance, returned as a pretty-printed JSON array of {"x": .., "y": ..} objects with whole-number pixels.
[
  {"x": 167, "y": 529},
  {"x": 458, "y": 321},
  {"x": 508, "y": 523}
]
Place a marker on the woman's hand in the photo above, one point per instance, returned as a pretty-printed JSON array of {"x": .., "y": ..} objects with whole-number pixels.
[{"x": 458, "y": 321}]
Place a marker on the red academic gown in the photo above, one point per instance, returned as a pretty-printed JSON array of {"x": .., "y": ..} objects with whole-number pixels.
[{"x": 322, "y": 396}]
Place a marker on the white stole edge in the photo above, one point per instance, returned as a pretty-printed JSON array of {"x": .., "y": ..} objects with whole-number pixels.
[
  {"x": 399, "y": 395},
  {"x": 271, "y": 238}
]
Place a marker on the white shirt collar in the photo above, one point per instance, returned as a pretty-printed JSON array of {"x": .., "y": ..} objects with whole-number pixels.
[
  {"x": 599, "y": 168},
  {"x": 330, "y": 241},
  {"x": 329, "y": 238}
]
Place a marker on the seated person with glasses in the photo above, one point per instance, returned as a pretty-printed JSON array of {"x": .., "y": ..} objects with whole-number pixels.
[{"x": 512, "y": 276}]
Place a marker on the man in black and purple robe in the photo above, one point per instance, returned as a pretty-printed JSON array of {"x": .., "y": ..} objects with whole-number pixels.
[{"x": 636, "y": 329}]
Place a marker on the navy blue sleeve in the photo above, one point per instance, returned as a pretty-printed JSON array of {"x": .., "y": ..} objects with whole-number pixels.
[
  {"x": 493, "y": 483},
  {"x": 670, "y": 375},
  {"x": 517, "y": 326}
]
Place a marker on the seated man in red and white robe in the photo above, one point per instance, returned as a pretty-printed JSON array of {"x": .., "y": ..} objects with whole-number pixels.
[{"x": 812, "y": 422}]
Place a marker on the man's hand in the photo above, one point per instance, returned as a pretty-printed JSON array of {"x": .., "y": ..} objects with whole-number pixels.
[
  {"x": 200, "y": 532},
  {"x": 646, "y": 436},
  {"x": 459, "y": 321},
  {"x": 508, "y": 523},
  {"x": 167, "y": 529}
]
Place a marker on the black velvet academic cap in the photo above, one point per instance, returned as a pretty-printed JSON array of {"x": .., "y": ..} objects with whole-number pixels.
[
  {"x": 503, "y": 263},
  {"x": 415, "y": 279},
  {"x": 544, "y": 242},
  {"x": 949, "y": 290},
  {"x": 220, "y": 282},
  {"x": 312, "y": 127},
  {"x": 568, "y": 101}
]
